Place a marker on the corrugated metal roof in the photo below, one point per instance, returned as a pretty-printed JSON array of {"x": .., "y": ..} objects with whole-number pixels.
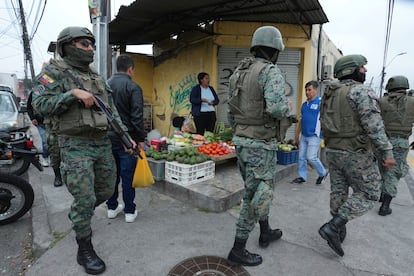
[{"x": 149, "y": 21}]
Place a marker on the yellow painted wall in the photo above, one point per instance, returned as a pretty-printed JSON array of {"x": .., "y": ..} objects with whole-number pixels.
[
  {"x": 174, "y": 79},
  {"x": 168, "y": 84},
  {"x": 239, "y": 34},
  {"x": 144, "y": 74}
]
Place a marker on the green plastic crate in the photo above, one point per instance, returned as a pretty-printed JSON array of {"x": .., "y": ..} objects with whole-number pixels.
[{"x": 157, "y": 168}]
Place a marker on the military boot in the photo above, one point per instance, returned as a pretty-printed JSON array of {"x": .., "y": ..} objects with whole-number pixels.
[
  {"x": 88, "y": 258},
  {"x": 342, "y": 230},
  {"x": 385, "y": 207},
  {"x": 268, "y": 235},
  {"x": 240, "y": 256},
  {"x": 342, "y": 233},
  {"x": 381, "y": 197},
  {"x": 330, "y": 232},
  {"x": 58, "y": 178}
]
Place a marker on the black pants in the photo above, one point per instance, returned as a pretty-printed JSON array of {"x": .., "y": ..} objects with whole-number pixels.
[{"x": 205, "y": 122}]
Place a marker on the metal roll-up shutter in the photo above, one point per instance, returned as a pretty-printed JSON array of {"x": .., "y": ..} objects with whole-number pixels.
[{"x": 288, "y": 62}]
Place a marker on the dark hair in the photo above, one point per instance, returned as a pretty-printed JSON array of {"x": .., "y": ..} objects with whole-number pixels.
[
  {"x": 178, "y": 121},
  {"x": 123, "y": 62},
  {"x": 201, "y": 76},
  {"x": 312, "y": 83}
]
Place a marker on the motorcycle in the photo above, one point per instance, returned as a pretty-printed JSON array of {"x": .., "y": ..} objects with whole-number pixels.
[
  {"x": 16, "y": 197},
  {"x": 17, "y": 152}
]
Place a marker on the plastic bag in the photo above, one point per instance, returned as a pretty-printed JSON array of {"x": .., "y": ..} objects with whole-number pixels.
[
  {"x": 189, "y": 124},
  {"x": 142, "y": 175}
]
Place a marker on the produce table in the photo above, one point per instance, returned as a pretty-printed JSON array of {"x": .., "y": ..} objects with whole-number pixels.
[{"x": 223, "y": 158}]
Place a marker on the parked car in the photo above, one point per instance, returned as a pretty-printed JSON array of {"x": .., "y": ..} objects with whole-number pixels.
[{"x": 12, "y": 115}]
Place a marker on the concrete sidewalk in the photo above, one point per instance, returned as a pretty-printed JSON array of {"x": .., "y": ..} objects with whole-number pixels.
[{"x": 168, "y": 231}]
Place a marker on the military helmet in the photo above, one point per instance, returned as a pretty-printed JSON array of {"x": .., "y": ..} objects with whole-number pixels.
[
  {"x": 70, "y": 33},
  {"x": 397, "y": 82},
  {"x": 346, "y": 65},
  {"x": 268, "y": 36}
]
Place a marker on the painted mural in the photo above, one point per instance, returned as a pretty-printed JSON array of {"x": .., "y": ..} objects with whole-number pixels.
[{"x": 176, "y": 102}]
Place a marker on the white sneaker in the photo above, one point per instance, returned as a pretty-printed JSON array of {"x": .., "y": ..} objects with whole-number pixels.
[
  {"x": 44, "y": 161},
  {"x": 131, "y": 217},
  {"x": 113, "y": 213}
]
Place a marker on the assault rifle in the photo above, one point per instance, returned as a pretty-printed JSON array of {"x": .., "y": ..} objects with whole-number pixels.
[{"x": 123, "y": 135}]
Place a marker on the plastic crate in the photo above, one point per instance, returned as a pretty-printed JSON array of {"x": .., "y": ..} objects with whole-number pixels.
[
  {"x": 287, "y": 157},
  {"x": 157, "y": 168},
  {"x": 184, "y": 175}
]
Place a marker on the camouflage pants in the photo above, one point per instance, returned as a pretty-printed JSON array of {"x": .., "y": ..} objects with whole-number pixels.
[
  {"x": 390, "y": 178},
  {"x": 54, "y": 150},
  {"x": 357, "y": 171},
  {"x": 257, "y": 168},
  {"x": 89, "y": 171}
]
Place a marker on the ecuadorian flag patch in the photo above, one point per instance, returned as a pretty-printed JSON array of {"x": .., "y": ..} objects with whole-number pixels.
[{"x": 46, "y": 80}]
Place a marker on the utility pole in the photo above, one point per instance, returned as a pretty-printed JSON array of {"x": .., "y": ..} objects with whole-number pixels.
[
  {"x": 100, "y": 22},
  {"x": 26, "y": 44}
]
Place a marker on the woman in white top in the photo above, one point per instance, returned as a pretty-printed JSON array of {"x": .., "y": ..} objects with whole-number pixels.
[{"x": 203, "y": 100}]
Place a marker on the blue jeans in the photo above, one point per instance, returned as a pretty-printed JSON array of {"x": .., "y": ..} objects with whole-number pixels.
[
  {"x": 42, "y": 133},
  {"x": 308, "y": 151},
  {"x": 125, "y": 167}
]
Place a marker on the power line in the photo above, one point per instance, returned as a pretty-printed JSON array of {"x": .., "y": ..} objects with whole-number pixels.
[
  {"x": 390, "y": 11},
  {"x": 26, "y": 44},
  {"x": 40, "y": 19}
]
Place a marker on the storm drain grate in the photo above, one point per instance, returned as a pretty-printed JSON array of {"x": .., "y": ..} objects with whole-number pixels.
[{"x": 207, "y": 266}]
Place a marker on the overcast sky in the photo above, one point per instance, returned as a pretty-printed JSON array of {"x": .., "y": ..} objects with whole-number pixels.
[{"x": 355, "y": 27}]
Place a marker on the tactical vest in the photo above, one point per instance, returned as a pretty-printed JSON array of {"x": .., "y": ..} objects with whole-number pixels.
[
  {"x": 78, "y": 120},
  {"x": 398, "y": 114},
  {"x": 340, "y": 124},
  {"x": 247, "y": 104}
]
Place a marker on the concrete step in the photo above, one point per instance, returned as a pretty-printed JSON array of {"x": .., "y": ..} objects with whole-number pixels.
[{"x": 220, "y": 193}]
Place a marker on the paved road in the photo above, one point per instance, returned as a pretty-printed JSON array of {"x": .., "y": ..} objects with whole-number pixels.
[
  {"x": 16, "y": 238},
  {"x": 15, "y": 246}
]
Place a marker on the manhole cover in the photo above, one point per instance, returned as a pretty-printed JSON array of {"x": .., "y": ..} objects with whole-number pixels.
[{"x": 207, "y": 266}]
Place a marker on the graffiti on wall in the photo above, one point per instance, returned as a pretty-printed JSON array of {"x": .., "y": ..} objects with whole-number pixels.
[
  {"x": 180, "y": 94},
  {"x": 179, "y": 98}
]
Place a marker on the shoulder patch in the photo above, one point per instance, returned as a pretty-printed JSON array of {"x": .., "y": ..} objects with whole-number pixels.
[
  {"x": 38, "y": 91},
  {"x": 46, "y": 80}
]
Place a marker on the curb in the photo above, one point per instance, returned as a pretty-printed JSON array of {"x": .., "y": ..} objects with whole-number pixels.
[{"x": 42, "y": 237}]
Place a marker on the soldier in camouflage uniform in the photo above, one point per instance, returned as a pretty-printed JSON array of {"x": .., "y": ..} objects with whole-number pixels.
[
  {"x": 87, "y": 164},
  {"x": 398, "y": 115},
  {"x": 54, "y": 150},
  {"x": 257, "y": 80},
  {"x": 352, "y": 124}
]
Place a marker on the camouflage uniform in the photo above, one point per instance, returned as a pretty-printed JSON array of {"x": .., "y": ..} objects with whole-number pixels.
[
  {"x": 398, "y": 116},
  {"x": 53, "y": 146},
  {"x": 87, "y": 165},
  {"x": 257, "y": 158},
  {"x": 358, "y": 169},
  {"x": 391, "y": 177},
  {"x": 52, "y": 142}
]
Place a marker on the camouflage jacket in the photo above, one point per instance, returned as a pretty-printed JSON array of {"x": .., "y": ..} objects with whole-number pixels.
[
  {"x": 53, "y": 98},
  {"x": 365, "y": 103},
  {"x": 273, "y": 84}
]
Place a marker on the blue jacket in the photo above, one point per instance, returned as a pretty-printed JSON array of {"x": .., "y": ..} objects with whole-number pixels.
[{"x": 195, "y": 99}]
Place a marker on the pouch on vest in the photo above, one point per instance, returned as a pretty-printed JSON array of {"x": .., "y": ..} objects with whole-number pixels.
[{"x": 337, "y": 117}]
